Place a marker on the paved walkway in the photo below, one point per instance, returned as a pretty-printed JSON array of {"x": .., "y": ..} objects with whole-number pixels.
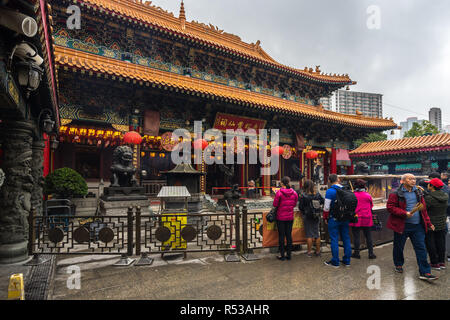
[{"x": 207, "y": 276}]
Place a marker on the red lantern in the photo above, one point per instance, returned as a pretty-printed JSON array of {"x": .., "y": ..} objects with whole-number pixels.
[
  {"x": 278, "y": 150},
  {"x": 311, "y": 155},
  {"x": 132, "y": 137},
  {"x": 200, "y": 144}
]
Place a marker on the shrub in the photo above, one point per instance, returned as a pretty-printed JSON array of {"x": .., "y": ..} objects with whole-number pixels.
[{"x": 65, "y": 183}]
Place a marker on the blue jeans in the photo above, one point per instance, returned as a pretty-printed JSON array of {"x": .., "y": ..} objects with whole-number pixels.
[
  {"x": 416, "y": 233},
  {"x": 336, "y": 229}
]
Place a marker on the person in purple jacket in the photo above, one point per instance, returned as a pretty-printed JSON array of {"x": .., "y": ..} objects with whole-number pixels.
[
  {"x": 365, "y": 222},
  {"x": 285, "y": 200}
]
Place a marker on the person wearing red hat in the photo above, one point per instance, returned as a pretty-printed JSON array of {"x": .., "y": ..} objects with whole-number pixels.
[{"x": 436, "y": 201}]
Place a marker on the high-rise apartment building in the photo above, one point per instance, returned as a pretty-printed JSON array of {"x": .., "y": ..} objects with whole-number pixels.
[
  {"x": 435, "y": 117},
  {"x": 327, "y": 103},
  {"x": 370, "y": 104}
]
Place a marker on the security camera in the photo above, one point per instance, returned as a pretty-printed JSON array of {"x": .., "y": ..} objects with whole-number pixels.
[{"x": 25, "y": 52}]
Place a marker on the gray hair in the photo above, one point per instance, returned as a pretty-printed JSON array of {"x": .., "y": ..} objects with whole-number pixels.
[{"x": 406, "y": 175}]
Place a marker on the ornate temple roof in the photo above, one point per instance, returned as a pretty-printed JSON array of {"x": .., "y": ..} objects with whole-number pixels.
[
  {"x": 437, "y": 142},
  {"x": 144, "y": 13},
  {"x": 158, "y": 78}
]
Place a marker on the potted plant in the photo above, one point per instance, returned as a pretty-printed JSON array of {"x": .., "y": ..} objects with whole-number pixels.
[{"x": 65, "y": 183}]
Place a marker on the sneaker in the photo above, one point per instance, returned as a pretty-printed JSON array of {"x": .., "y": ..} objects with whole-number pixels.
[
  {"x": 329, "y": 263},
  {"x": 399, "y": 269},
  {"x": 427, "y": 276},
  {"x": 309, "y": 254},
  {"x": 356, "y": 255},
  {"x": 281, "y": 258},
  {"x": 317, "y": 254},
  {"x": 372, "y": 256},
  {"x": 288, "y": 257},
  {"x": 347, "y": 265},
  {"x": 436, "y": 267},
  {"x": 442, "y": 266}
]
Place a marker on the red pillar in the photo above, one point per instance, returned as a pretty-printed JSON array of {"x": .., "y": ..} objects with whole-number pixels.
[
  {"x": 46, "y": 162},
  {"x": 333, "y": 163},
  {"x": 351, "y": 170}
]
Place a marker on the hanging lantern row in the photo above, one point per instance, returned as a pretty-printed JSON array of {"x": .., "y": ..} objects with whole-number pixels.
[
  {"x": 153, "y": 154},
  {"x": 90, "y": 136},
  {"x": 112, "y": 138}
]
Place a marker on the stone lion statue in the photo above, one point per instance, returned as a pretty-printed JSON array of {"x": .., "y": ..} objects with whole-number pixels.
[
  {"x": 122, "y": 168},
  {"x": 361, "y": 168}
]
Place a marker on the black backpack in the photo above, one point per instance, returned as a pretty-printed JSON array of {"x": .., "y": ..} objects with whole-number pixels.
[
  {"x": 312, "y": 206},
  {"x": 345, "y": 206}
]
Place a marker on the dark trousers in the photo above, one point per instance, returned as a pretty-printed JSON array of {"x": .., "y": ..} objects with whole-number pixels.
[
  {"x": 416, "y": 233},
  {"x": 285, "y": 232},
  {"x": 435, "y": 241},
  {"x": 357, "y": 239}
]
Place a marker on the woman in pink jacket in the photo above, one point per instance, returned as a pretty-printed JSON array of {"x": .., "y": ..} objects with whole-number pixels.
[
  {"x": 285, "y": 200},
  {"x": 365, "y": 222}
]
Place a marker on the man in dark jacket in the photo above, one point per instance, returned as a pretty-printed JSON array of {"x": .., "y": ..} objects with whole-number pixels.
[
  {"x": 436, "y": 200},
  {"x": 409, "y": 218}
]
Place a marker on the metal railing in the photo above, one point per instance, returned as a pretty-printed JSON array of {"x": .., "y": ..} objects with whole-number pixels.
[
  {"x": 72, "y": 235},
  {"x": 236, "y": 233}
]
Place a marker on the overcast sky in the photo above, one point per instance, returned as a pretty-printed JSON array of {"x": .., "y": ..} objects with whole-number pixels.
[{"x": 407, "y": 59}]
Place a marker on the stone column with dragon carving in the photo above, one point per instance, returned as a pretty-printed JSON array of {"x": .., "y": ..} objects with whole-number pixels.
[
  {"x": 15, "y": 194},
  {"x": 37, "y": 171}
]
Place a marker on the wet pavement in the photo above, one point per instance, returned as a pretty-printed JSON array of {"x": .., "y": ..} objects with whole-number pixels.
[{"x": 206, "y": 276}]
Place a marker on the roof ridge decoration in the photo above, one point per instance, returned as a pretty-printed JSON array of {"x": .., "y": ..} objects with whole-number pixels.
[
  {"x": 182, "y": 16},
  {"x": 210, "y": 34}
]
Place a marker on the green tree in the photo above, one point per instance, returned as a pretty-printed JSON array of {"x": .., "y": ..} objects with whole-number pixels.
[
  {"x": 371, "y": 137},
  {"x": 417, "y": 130}
]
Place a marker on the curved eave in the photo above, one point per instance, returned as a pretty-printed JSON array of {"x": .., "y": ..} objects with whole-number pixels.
[
  {"x": 399, "y": 152},
  {"x": 83, "y": 61},
  {"x": 437, "y": 142},
  {"x": 177, "y": 32}
]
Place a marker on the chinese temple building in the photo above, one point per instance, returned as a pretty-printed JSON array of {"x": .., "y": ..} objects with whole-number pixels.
[
  {"x": 134, "y": 66},
  {"x": 419, "y": 155},
  {"x": 28, "y": 118}
]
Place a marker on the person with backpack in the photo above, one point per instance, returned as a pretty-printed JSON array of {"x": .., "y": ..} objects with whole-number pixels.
[
  {"x": 365, "y": 221},
  {"x": 339, "y": 209},
  {"x": 409, "y": 219},
  {"x": 310, "y": 205},
  {"x": 285, "y": 201}
]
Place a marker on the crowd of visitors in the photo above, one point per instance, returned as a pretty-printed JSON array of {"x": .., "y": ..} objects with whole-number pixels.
[{"x": 416, "y": 211}]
